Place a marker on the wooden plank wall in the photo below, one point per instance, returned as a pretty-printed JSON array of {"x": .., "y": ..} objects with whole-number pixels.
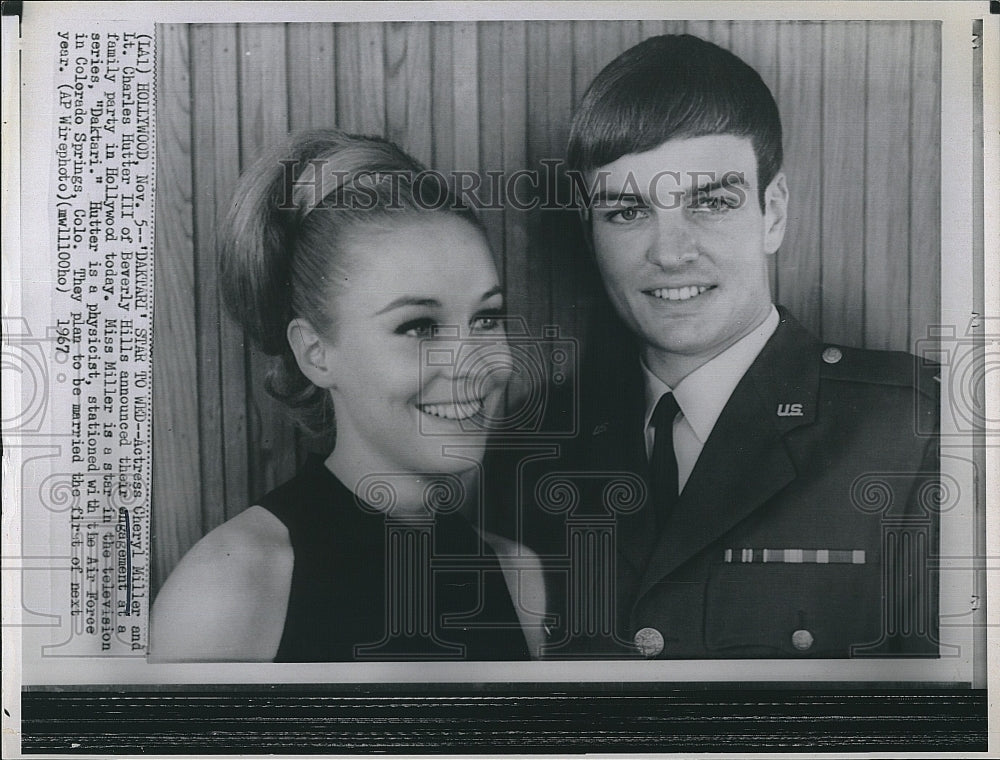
[{"x": 860, "y": 264}]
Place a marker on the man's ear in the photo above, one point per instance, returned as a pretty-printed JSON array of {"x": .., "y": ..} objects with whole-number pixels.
[
  {"x": 775, "y": 212},
  {"x": 312, "y": 353}
]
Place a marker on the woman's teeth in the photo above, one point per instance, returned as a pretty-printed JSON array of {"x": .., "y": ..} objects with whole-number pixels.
[
  {"x": 679, "y": 294},
  {"x": 461, "y": 411}
]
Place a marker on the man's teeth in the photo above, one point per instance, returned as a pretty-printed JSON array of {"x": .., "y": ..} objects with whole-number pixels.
[
  {"x": 679, "y": 294},
  {"x": 452, "y": 411}
]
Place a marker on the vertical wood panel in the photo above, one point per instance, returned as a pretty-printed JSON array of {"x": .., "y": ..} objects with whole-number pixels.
[
  {"x": 263, "y": 121},
  {"x": 713, "y": 31},
  {"x": 559, "y": 83},
  {"x": 559, "y": 225},
  {"x": 235, "y": 419},
  {"x": 408, "y": 96},
  {"x": 217, "y": 166},
  {"x": 176, "y": 495},
  {"x": 593, "y": 48},
  {"x": 586, "y": 63},
  {"x": 534, "y": 307},
  {"x": 312, "y": 76},
  {"x": 607, "y": 43},
  {"x": 799, "y": 99},
  {"x": 442, "y": 98},
  {"x": 360, "y": 78},
  {"x": 756, "y": 42},
  {"x": 701, "y": 29},
  {"x": 844, "y": 56},
  {"x": 887, "y": 182},
  {"x": 465, "y": 79},
  {"x": 722, "y": 32},
  {"x": 203, "y": 167},
  {"x": 925, "y": 180},
  {"x": 654, "y": 28},
  {"x": 514, "y": 120},
  {"x": 263, "y": 93},
  {"x": 631, "y": 34},
  {"x": 491, "y": 117}
]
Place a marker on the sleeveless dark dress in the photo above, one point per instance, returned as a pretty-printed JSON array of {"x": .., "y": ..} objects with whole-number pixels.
[{"x": 439, "y": 594}]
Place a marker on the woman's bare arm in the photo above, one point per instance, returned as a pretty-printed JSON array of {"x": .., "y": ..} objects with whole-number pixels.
[{"x": 226, "y": 600}]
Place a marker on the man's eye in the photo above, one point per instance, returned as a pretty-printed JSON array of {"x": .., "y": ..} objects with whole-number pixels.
[
  {"x": 416, "y": 328},
  {"x": 626, "y": 214},
  {"x": 715, "y": 203}
]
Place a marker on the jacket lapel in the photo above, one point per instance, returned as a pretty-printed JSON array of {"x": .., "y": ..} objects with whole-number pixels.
[
  {"x": 745, "y": 460},
  {"x": 617, "y": 444}
]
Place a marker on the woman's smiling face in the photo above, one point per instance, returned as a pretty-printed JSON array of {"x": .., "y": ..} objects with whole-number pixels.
[{"x": 401, "y": 390}]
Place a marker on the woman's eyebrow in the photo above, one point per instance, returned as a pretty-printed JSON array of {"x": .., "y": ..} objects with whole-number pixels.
[
  {"x": 496, "y": 290},
  {"x": 429, "y": 302},
  {"x": 408, "y": 301},
  {"x": 611, "y": 197}
]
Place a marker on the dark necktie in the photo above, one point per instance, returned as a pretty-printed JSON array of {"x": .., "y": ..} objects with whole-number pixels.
[{"x": 663, "y": 464}]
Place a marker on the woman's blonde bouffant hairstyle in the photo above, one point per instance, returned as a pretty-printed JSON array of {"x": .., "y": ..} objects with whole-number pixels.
[{"x": 282, "y": 248}]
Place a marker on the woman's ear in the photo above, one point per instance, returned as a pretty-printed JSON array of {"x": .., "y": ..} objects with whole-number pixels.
[
  {"x": 775, "y": 212},
  {"x": 312, "y": 353}
]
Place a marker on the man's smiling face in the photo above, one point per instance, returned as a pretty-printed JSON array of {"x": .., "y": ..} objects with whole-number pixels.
[{"x": 683, "y": 253}]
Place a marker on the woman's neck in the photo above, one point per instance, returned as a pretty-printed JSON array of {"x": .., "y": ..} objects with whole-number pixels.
[{"x": 402, "y": 495}]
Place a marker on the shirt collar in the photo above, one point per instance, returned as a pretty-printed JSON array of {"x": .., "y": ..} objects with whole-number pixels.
[{"x": 703, "y": 394}]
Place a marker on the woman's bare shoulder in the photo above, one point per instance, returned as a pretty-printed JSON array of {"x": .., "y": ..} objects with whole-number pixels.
[{"x": 226, "y": 599}]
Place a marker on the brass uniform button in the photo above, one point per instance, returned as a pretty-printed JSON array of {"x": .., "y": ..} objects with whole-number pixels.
[
  {"x": 802, "y": 640},
  {"x": 832, "y": 355},
  {"x": 649, "y": 641}
]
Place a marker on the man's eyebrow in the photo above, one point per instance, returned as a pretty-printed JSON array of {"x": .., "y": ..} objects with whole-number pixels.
[{"x": 728, "y": 180}]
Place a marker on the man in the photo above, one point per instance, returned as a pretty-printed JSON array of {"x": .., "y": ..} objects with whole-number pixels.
[{"x": 788, "y": 505}]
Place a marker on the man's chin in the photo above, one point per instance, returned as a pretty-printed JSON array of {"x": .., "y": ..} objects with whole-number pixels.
[{"x": 680, "y": 342}]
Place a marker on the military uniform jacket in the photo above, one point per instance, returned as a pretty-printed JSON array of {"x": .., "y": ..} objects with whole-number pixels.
[{"x": 806, "y": 529}]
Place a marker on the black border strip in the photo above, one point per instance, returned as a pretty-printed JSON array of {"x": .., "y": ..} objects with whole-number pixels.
[{"x": 437, "y": 720}]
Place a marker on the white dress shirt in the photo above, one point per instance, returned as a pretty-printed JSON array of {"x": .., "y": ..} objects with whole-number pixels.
[{"x": 703, "y": 395}]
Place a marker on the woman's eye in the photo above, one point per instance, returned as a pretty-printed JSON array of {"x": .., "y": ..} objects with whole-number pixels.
[
  {"x": 487, "y": 323},
  {"x": 626, "y": 214},
  {"x": 416, "y": 328}
]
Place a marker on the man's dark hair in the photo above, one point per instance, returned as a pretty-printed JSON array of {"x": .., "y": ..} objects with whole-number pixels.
[{"x": 674, "y": 86}]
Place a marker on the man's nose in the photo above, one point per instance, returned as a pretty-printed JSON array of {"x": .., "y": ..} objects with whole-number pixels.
[{"x": 673, "y": 241}]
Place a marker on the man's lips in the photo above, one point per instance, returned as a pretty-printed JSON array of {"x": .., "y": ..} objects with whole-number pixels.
[{"x": 684, "y": 293}]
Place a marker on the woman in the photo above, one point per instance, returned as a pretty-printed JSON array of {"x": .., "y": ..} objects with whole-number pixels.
[{"x": 347, "y": 261}]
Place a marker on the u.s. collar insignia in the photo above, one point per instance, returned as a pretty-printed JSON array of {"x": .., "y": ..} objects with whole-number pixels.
[
  {"x": 790, "y": 410},
  {"x": 600, "y": 429}
]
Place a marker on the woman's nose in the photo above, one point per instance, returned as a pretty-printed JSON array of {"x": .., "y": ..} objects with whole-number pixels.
[{"x": 483, "y": 363}]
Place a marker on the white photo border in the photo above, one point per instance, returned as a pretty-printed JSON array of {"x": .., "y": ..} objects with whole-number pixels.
[{"x": 958, "y": 281}]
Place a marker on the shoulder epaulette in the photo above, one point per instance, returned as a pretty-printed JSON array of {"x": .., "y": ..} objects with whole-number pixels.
[{"x": 896, "y": 368}]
